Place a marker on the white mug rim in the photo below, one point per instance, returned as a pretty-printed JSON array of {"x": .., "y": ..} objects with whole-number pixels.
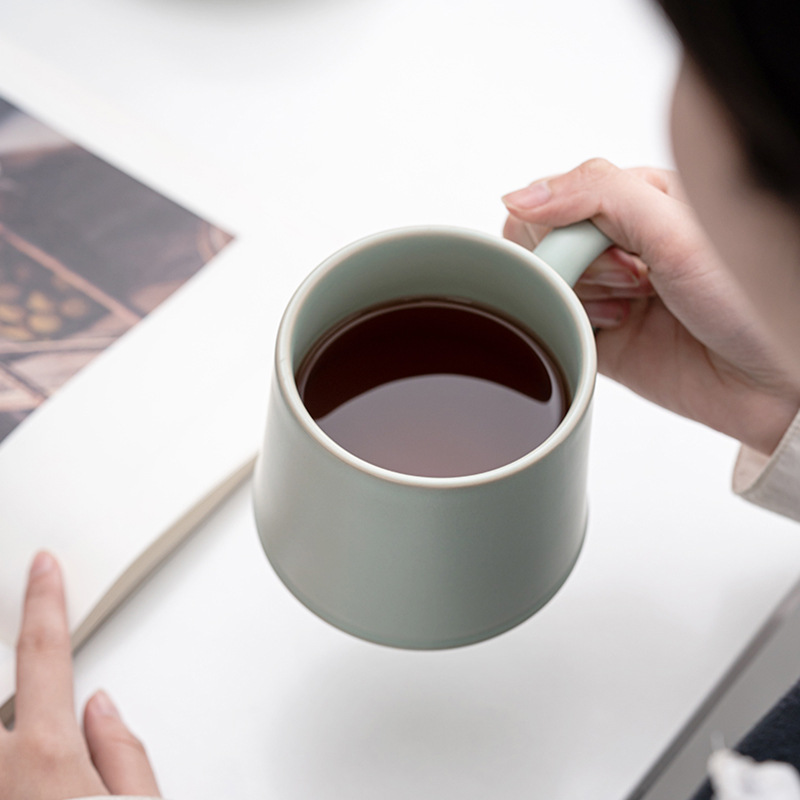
[{"x": 581, "y": 399}]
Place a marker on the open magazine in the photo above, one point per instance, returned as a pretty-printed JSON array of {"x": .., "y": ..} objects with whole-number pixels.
[{"x": 136, "y": 326}]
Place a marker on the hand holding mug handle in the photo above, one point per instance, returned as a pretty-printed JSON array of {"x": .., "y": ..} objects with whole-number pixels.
[{"x": 662, "y": 296}]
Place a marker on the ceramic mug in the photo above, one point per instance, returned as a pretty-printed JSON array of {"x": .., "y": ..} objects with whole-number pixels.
[{"x": 422, "y": 562}]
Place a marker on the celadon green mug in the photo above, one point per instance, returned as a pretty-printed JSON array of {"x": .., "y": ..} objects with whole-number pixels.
[{"x": 428, "y": 562}]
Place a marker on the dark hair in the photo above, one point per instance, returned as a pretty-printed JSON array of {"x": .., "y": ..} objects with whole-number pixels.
[{"x": 748, "y": 53}]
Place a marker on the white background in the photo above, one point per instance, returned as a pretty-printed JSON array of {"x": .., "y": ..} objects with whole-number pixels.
[{"x": 340, "y": 118}]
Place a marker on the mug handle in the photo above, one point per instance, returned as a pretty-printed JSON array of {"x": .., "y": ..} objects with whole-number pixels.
[{"x": 571, "y": 249}]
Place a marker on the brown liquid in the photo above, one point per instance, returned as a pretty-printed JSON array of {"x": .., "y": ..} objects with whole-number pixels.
[{"x": 433, "y": 387}]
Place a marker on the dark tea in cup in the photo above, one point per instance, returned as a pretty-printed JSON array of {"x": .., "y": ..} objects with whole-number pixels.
[{"x": 433, "y": 386}]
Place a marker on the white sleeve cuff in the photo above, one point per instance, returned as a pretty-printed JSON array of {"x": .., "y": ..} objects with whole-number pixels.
[{"x": 772, "y": 482}]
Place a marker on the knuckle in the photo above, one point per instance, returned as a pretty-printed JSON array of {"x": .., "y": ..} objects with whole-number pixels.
[
  {"x": 662, "y": 179},
  {"x": 596, "y": 169},
  {"x": 43, "y": 639},
  {"x": 51, "y": 746}
]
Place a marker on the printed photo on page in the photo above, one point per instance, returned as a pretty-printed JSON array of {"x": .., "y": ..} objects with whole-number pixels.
[{"x": 86, "y": 251}]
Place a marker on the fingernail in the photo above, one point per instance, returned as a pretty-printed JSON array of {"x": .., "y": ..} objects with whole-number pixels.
[
  {"x": 102, "y": 704},
  {"x": 42, "y": 563},
  {"x": 612, "y": 279},
  {"x": 605, "y": 314},
  {"x": 605, "y": 322},
  {"x": 624, "y": 257},
  {"x": 536, "y": 194}
]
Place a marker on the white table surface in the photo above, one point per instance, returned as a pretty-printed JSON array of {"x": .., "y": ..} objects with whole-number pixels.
[{"x": 344, "y": 117}]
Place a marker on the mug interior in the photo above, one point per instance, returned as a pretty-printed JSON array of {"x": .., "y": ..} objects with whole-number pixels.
[{"x": 442, "y": 262}]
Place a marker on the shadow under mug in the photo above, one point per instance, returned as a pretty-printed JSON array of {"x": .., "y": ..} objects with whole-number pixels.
[{"x": 421, "y": 562}]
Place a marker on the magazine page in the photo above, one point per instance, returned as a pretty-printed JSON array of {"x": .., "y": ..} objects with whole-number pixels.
[{"x": 137, "y": 315}]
